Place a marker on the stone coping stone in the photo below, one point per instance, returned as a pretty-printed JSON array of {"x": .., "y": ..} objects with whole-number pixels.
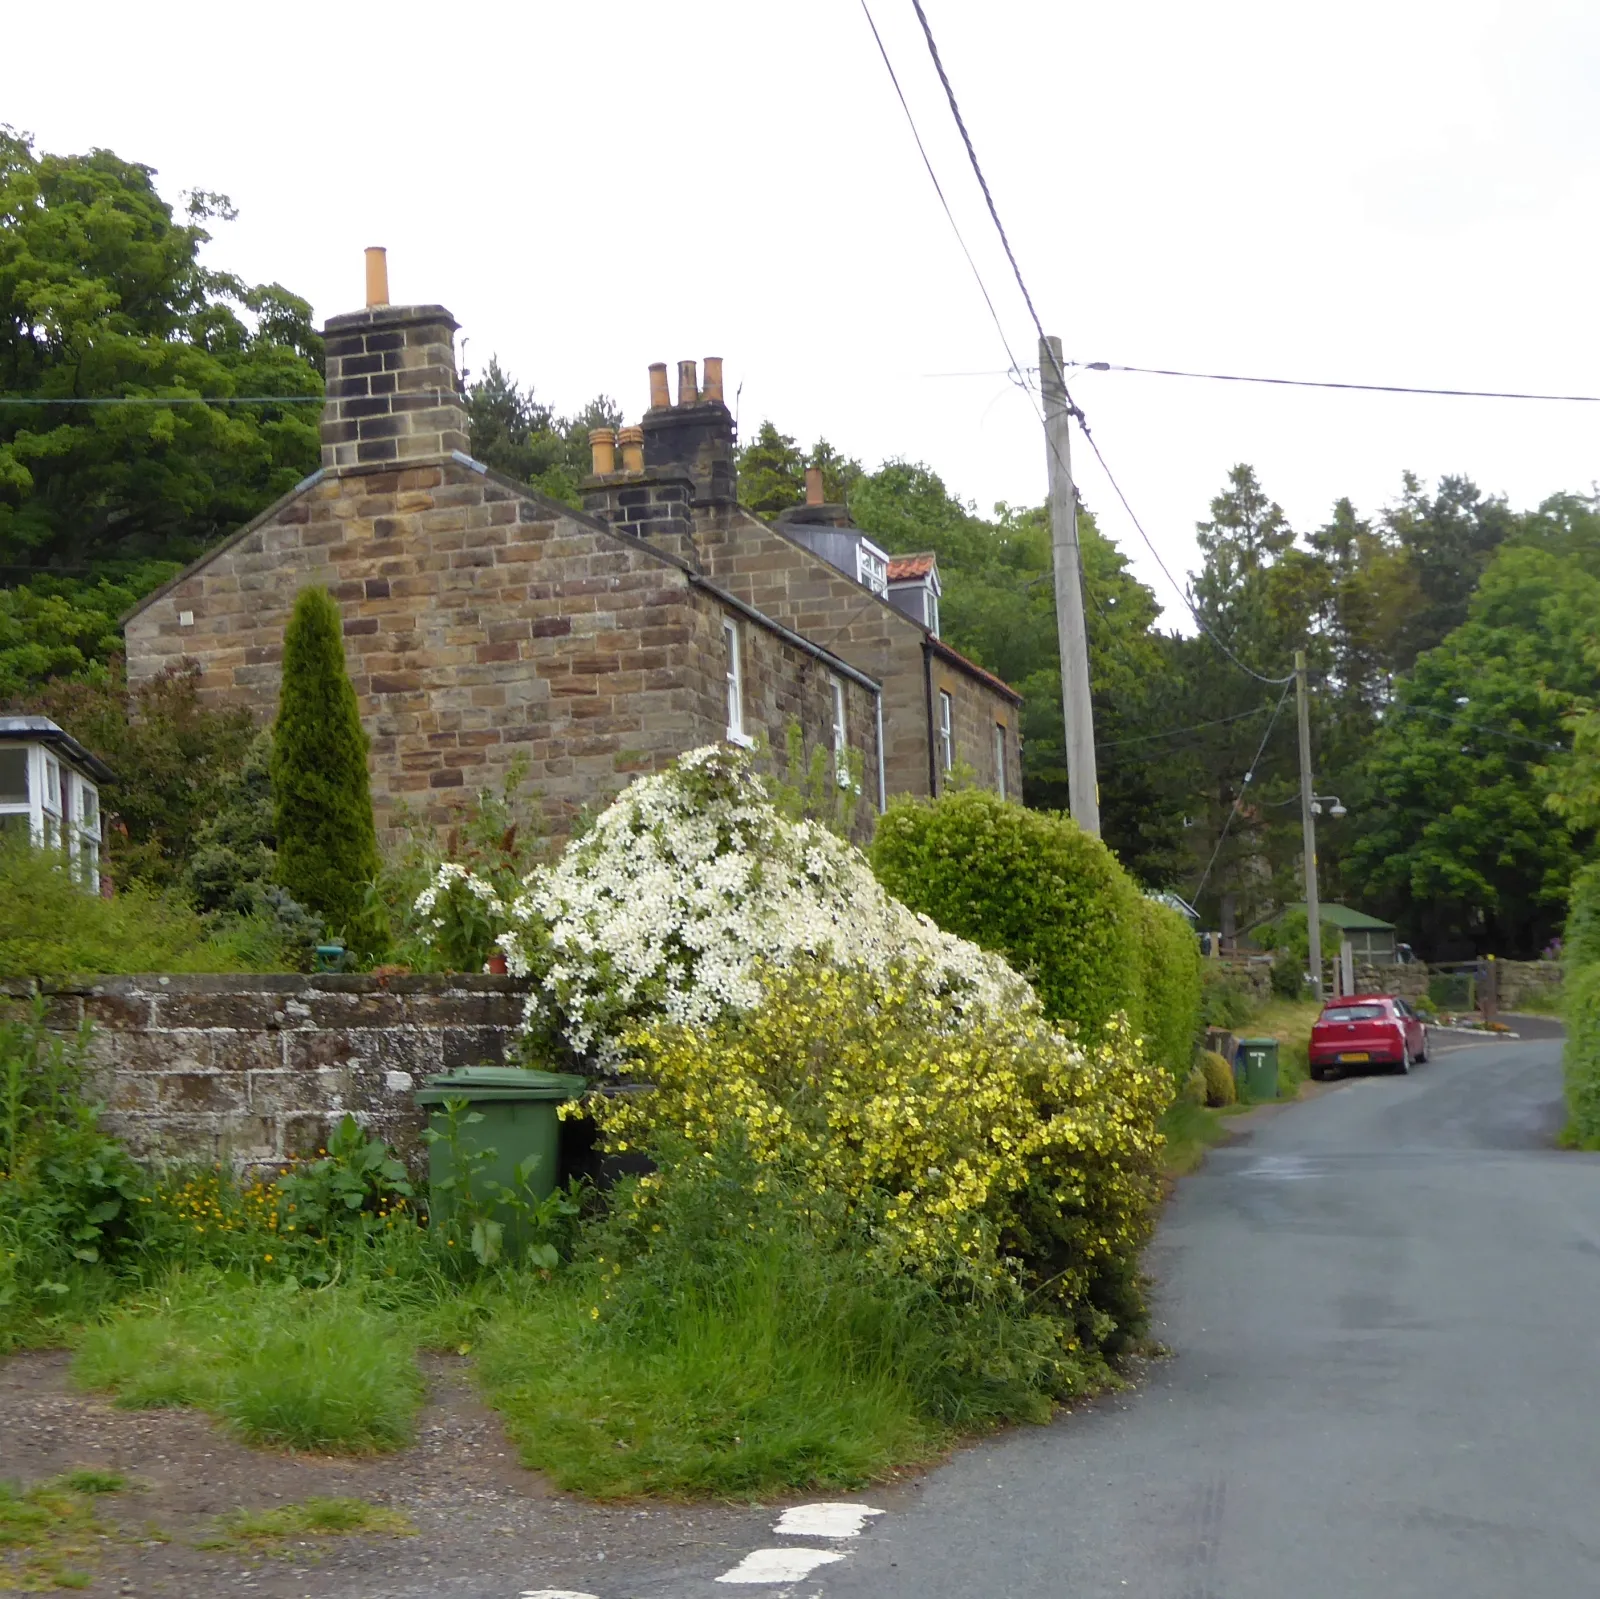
[{"x": 267, "y": 983}]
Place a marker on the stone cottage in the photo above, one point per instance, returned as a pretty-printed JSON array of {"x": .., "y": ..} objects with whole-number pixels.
[{"x": 483, "y": 620}]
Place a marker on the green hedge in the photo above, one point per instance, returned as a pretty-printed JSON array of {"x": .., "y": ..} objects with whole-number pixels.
[
  {"x": 1032, "y": 886},
  {"x": 1029, "y": 885},
  {"x": 1172, "y": 994},
  {"x": 1581, "y": 1012},
  {"x": 1581, "y": 1008},
  {"x": 1580, "y": 942}
]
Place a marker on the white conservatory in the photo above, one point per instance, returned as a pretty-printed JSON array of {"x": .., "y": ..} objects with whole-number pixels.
[{"x": 50, "y": 788}]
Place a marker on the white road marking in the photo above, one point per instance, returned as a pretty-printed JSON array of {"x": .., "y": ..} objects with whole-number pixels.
[
  {"x": 824, "y": 1520},
  {"x": 555, "y": 1593},
  {"x": 779, "y": 1565}
]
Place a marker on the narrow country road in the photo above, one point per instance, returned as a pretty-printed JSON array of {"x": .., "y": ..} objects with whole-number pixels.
[{"x": 1385, "y": 1312}]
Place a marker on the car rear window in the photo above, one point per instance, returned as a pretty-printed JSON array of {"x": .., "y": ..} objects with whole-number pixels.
[{"x": 1354, "y": 1013}]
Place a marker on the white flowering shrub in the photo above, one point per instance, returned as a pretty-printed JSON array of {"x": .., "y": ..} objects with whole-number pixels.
[{"x": 688, "y": 886}]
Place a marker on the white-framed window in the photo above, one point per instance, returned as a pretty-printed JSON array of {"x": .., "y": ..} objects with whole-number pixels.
[
  {"x": 735, "y": 671},
  {"x": 85, "y": 817},
  {"x": 872, "y": 567},
  {"x": 947, "y": 729},
  {"x": 933, "y": 610},
  {"x": 1000, "y": 759},
  {"x": 52, "y": 805},
  {"x": 841, "y": 735}
]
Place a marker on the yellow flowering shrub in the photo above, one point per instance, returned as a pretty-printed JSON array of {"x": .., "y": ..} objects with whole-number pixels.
[{"x": 981, "y": 1151}]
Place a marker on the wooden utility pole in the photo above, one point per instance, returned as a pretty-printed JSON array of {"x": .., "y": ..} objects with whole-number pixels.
[
  {"x": 1083, "y": 785},
  {"x": 1308, "y": 825}
]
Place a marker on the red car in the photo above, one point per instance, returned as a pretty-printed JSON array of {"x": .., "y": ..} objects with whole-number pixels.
[{"x": 1369, "y": 1029}]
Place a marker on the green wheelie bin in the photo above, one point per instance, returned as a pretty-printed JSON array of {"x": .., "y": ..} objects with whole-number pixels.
[
  {"x": 519, "y": 1119},
  {"x": 1255, "y": 1068}
]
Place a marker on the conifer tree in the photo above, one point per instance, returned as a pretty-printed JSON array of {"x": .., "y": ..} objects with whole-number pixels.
[{"x": 327, "y": 845}]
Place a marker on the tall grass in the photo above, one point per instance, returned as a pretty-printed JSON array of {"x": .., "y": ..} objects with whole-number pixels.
[
  {"x": 744, "y": 1349},
  {"x": 294, "y": 1368}
]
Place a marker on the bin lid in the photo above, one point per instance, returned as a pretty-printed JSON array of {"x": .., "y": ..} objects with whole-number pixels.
[
  {"x": 1258, "y": 1043},
  {"x": 500, "y": 1082}
]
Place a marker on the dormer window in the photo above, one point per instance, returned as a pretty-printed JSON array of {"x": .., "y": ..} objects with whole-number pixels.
[{"x": 872, "y": 567}]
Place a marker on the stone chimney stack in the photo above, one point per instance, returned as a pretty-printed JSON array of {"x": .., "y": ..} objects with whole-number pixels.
[
  {"x": 394, "y": 396},
  {"x": 695, "y": 436}
]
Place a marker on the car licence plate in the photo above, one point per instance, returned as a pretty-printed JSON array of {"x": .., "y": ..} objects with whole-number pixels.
[{"x": 1355, "y": 1056}]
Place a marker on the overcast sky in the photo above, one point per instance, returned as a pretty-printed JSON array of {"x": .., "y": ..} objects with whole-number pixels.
[{"x": 1394, "y": 192}]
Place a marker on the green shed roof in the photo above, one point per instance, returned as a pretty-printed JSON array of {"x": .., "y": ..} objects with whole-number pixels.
[{"x": 1342, "y": 916}]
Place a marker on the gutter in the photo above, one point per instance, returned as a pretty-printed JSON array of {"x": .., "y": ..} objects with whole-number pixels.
[
  {"x": 883, "y": 787},
  {"x": 800, "y": 642},
  {"x": 927, "y": 685}
]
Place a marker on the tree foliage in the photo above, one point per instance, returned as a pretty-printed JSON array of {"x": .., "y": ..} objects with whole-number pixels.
[
  {"x": 103, "y": 297},
  {"x": 175, "y": 758},
  {"x": 107, "y": 316},
  {"x": 327, "y": 844},
  {"x": 515, "y": 434}
]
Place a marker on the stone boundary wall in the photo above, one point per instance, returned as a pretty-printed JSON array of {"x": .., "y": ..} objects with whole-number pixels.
[
  {"x": 1519, "y": 981},
  {"x": 1406, "y": 982},
  {"x": 256, "y": 1070}
]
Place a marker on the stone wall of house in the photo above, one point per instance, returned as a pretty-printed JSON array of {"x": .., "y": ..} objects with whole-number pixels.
[
  {"x": 977, "y": 713},
  {"x": 482, "y": 622},
  {"x": 795, "y": 586},
  {"x": 257, "y": 1070}
]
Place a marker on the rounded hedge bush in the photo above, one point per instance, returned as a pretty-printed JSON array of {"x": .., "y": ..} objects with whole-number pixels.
[
  {"x": 1029, "y": 885},
  {"x": 1220, "y": 1086},
  {"x": 1172, "y": 992}
]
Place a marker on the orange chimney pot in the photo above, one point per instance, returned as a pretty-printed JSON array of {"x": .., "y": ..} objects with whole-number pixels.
[{"x": 377, "y": 276}]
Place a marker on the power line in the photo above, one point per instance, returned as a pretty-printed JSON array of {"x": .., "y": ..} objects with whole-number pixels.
[
  {"x": 1177, "y": 732},
  {"x": 1244, "y": 788},
  {"x": 1073, "y": 409},
  {"x": 171, "y": 399},
  {"x": 1363, "y": 388},
  {"x": 937, "y": 189},
  {"x": 1474, "y": 727},
  {"x": 972, "y": 156}
]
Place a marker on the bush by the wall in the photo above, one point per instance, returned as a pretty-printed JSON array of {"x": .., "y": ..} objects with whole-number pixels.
[
  {"x": 1220, "y": 1086},
  {"x": 327, "y": 844},
  {"x": 1582, "y": 1016},
  {"x": 1580, "y": 939},
  {"x": 1171, "y": 1019},
  {"x": 1029, "y": 885},
  {"x": 1225, "y": 998},
  {"x": 1581, "y": 1008},
  {"x": 50, "y": 927},
  {"x": 1005, "y": 1158}
]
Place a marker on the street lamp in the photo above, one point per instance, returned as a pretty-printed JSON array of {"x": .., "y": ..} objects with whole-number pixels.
[{"x": 1336, "y": 806}]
